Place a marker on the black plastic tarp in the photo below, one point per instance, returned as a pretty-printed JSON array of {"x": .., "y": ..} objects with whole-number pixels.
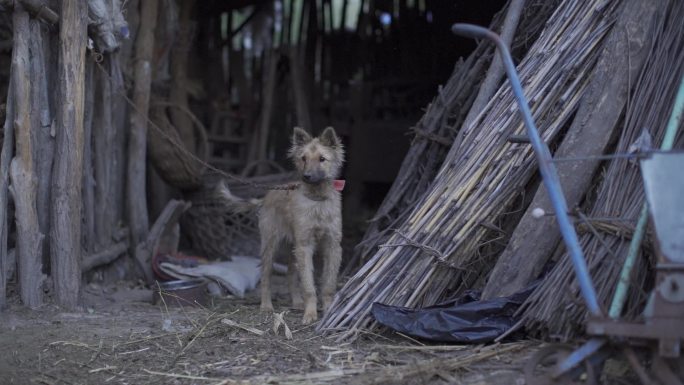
[{"x": 463, "y": 320}]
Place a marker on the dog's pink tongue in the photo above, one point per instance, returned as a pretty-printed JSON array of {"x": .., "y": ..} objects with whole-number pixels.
[{"x": 338, "y": 184}]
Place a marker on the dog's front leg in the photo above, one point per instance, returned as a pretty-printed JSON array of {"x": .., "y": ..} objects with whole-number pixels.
[
  {"x": 268, "y": 246},
  {"x": 304, "y": 255},
  {"x": 332, "y": 257},
  {"x": 293, "y": 283}
]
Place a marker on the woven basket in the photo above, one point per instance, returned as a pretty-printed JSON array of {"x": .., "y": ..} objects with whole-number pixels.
[{"x": 214, "y": 230}]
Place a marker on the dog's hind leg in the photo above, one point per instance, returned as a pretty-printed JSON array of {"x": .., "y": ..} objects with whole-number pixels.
[
  {"x": 332, "y": 257},
  {"x": 268, "y": 247},
  {"x": 293, "y": 283},
  {"x": 304, "y": 255}
]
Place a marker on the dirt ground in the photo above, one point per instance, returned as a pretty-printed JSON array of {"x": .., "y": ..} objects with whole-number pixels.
[{"x": 121, "y": 338}]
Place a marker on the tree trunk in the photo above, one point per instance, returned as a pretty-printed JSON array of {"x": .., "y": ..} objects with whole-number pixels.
[
  {"x": 535, "y": 239},
  {"x": 65, "y": 229},
  {"x": 24, "y": 182},
  {"x": 136, "y": 194}
]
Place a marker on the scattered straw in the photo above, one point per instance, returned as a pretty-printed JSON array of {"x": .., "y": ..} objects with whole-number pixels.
[
  {"x": 279, "y": 320},
  {"x": 106, "y": 368},
  {"x": 250, "y": 329},
  {"x": 186, "y": 376}
]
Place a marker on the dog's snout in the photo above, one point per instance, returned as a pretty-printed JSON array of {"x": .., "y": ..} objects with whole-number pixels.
[{"x": 307, "y": 177}]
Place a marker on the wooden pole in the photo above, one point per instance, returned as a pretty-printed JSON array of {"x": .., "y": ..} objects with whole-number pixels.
[
  {"x": 136, "y": 203},
  {"x": 89, "y": 208},
  {"x": 24, "y": 182},
  {"x": 105, "y": 256},
  {"x": 268, "y": 96},
  {"x": 65, "y": 229},
  {"x": 179, "y": 68},
  {"x": 5, "y": 158},
  {"x": 42, "y": 131},
  {"x": 495, "y": 73},
  {"x": 103, "y": 159},
  {"x": 299, "y": 88}
]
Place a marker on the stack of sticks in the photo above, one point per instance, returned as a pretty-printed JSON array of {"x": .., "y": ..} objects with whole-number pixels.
[
  {"x": 437, "y": 129},
  {"x": 561, "y": 313},
  {"x": 436, "y": 249}
]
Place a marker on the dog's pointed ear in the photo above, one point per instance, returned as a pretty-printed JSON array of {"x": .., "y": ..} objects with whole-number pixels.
[
  {"x": 300, "y": 137},
  {"x": 329, "y": 138}
]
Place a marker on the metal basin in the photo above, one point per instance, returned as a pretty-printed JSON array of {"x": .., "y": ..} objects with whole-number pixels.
[{"x": 181, "y": 293}]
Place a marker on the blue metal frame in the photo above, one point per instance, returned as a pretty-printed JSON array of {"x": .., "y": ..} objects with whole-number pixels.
[{"x": 546, "y": 167}]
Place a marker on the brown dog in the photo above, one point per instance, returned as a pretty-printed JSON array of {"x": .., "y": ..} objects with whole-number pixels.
[{"x": 309, "y": 218}]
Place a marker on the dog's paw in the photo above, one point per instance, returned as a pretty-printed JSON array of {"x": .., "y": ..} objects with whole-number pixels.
[{"x": 309, "y": 317}]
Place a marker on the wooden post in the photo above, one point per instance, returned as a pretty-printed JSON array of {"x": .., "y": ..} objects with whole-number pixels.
[
  {"x": 24, "y": 182},
  {"x": 5, "y": 158},
  {"x": 42, "y": 134},
  {"x": 178, "y": 95},
  {"x": 299, "y": 88},
  {"x": 136, "y": 192},
  {"x": 89, "y": 208},
  {"x": 103, "y": 159},
  {"x": 115, "y": 196},
  {"x": 269, "y": 79},
  {"x": 65, "y": 228}
]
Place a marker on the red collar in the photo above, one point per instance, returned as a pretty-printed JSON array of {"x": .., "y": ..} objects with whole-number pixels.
[{"x": 338, "y": 184}]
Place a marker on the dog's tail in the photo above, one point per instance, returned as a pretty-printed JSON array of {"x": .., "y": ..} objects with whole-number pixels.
[{"x": 236, "y": 204}]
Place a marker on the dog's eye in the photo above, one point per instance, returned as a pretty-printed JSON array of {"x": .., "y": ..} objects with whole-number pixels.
[
  {"x": 304, "y": 158},
  {"x": 322, "y": 159}
]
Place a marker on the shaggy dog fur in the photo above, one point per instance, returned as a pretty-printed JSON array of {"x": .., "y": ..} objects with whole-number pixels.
[{"x": 309, "y": 218}]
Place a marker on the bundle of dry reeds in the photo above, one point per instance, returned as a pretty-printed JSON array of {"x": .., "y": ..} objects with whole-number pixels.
[
  {"x": 436, "y": 130},
  {"x": 437, "y": 248},
  {"x": 556, "y": 308}
]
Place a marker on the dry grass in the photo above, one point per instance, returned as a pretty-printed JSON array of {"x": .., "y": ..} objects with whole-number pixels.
[{"x": 143, "y": 344}]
